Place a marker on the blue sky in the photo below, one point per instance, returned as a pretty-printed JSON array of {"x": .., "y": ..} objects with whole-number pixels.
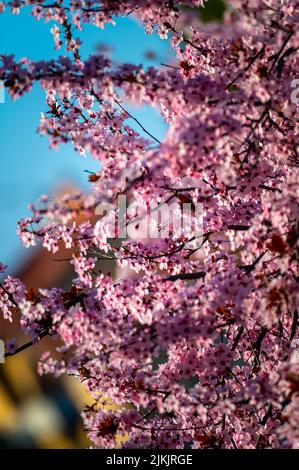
[{"x": 28, "y": 168}]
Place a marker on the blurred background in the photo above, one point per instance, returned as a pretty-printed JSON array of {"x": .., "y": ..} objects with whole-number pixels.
[{"x": 44, "y": 412}]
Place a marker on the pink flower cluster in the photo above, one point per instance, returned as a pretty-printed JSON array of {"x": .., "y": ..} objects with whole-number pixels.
[{"x": 198, "y": 348}]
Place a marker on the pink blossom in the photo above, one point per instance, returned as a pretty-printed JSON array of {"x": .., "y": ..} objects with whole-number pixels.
[{"x": 193, "y": 341}]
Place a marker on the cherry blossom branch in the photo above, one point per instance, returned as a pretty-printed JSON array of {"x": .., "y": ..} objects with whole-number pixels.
[
  {"x": 137, "y": 121},
  {"x": 26, "y": 345},
  {"x": 185, "y": 276}
]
